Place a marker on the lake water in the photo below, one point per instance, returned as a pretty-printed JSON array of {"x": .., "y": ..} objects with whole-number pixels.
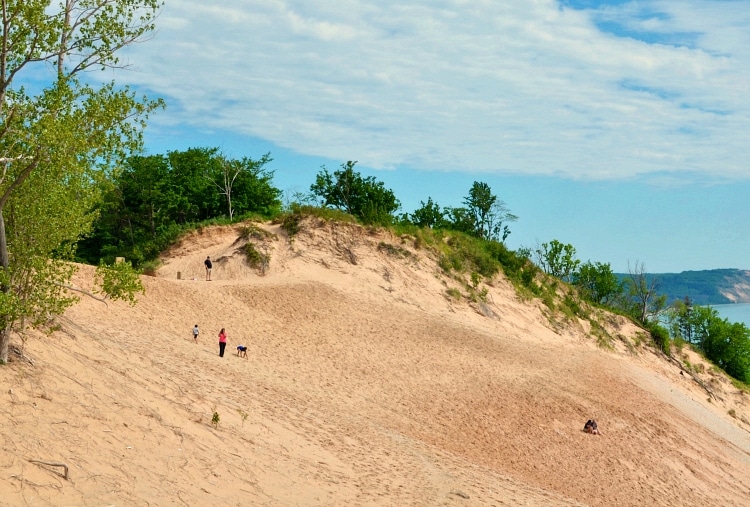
[{"x": 739, "y": 312}]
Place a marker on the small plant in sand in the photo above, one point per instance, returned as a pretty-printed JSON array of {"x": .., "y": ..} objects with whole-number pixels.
[
  {"x": 256, "y": 259},
  {"x": 215, "y": 419},
  {"x": 243, "y": 415},
  {"x": 454, "y": 293}
]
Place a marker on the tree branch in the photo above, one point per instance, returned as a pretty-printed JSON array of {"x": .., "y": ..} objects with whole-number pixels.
[
  {"x": 52, "y": 464},
  {"x": 84, "y": 291}
]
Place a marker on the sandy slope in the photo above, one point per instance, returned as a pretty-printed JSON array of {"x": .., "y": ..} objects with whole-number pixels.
[{"x": 365, "y": 385}]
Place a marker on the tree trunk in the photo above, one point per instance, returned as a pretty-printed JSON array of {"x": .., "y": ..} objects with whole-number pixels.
[{"x": 4, "y": 332}]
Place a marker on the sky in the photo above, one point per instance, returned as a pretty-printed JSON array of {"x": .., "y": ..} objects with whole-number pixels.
[{"x": 620, "y": 127}]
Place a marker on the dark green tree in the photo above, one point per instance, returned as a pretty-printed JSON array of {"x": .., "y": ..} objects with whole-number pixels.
[
  {"x": 242, "y": 183},
  {"x": 429, "y": 214},
  {"x": 724, "y": 343},
  {"x": 489, "y": 214},
  {"x": 153, "y": 198},
  {"x": 597, "y": 282},
  {"x": 365, "y": 198},
  {"x": 461, "y": 219},
  {"x": 253, "y": 188},
  {"x": 191, "y": 171}
]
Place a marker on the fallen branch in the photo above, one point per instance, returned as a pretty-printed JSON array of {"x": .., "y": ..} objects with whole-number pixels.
[
  {"x": 51, "y": 464},
  {"x": 695, "y": 379},
  {"x": 21, "y": 355},
  {"x": 84, "y": 291}
]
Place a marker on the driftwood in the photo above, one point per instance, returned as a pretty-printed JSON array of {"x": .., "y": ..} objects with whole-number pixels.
[
  {"x": 21, "y": 355},
  {"x": 51, "y": 464},
  {"x": 84, "y": 291},
  {"x": 697, "y": 380}
]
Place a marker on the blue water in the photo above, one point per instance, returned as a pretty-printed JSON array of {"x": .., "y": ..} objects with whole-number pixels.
[{"x": 735, "y": 313}]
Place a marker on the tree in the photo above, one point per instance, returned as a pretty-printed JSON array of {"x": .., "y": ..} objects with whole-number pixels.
[
  {"x": 365, "y": 198},
  {"x": 644, "y": 302},
  {"x": 558, "y": 259},
  {"x": 228, "y": 172},
  {"x": 147, "y": 204},
  {"x": 428, "y": 215},
  {"x": 724, "y": 343},
  {"x": 490, "y": 215},
  {"x": 253, "y": 189},
  {"x": 597, "y": 282},
  {"x": 191, "y": 173},
  {"x": 56, "y": 144}
]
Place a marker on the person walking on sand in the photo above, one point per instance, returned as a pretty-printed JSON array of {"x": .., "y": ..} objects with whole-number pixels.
[
  {"x": 208, "y": 265},
  {"x": 222, "y": 342},
  {"x": 196, "y": 332}
]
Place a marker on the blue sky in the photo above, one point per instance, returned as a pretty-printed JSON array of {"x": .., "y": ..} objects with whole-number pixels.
[{"x": 619, "y": 127}]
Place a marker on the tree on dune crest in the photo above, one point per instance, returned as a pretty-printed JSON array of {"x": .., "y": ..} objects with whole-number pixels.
[{"x": 59, "y": 137}]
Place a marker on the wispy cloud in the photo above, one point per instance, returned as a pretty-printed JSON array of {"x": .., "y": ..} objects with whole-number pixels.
[{"x": 579, "y": 89}]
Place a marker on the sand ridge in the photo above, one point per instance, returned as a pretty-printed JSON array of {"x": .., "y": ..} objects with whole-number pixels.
[{"x": 365, "y": 385}]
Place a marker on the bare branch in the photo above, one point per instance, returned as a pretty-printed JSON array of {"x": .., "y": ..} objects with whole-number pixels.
[{"x": 84, "y": 291}]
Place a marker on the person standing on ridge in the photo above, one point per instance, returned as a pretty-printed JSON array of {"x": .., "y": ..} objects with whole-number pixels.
[
  {"x": 196, "y": 332},
  {"x": 222, "y": 342},
  {"x": 208, "y": 265}
]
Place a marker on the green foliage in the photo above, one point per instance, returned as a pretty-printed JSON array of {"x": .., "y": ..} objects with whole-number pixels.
[
  {"x": 428, "y": 215},
  {"x": 290, "y": 221},
  {"x": 454, "y": 294},
  {"x": 573, "y": 307},
  {"x": 597, "y": 282},
  {"x": 451, "y": 262},
  {"x": 393, "y": 250},
  {"x": 660, "y": 336},
  {"x": 603, "y": 338},
  {"x": 119, "y": 281},
  {"x": 558, "y": 259},
  {"x": 58, "y": 142},
  {"x": 256, "y": 259},
  {"x": 246, "y": 186},
  {"x": 243, "y": 415},
  {"x": 251, "y": 231},
  {"x": 155, "y": 199},
  {"x": 724, "y": 343},
  {"x": 215, "y": 419},
  {"x": 641, "y": 299},
  {"x": 487, "y": 215},
  {"x": 365, "y": 198}
]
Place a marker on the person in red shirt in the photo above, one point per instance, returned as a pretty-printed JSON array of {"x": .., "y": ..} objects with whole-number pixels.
[{"x": 222, "y": 342}]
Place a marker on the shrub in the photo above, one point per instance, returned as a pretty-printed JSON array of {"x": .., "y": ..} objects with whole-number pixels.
[
  {"x": 454, "y": 293},
  {"x": 256, "y": 259},
  {"x": 660, "y": 336}
]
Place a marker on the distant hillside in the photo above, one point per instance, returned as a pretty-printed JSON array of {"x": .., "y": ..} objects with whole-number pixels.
[{"x": 707, "y": 287}]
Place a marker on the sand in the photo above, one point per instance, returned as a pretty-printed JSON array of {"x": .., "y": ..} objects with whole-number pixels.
[{"x": 366, "y": 384}]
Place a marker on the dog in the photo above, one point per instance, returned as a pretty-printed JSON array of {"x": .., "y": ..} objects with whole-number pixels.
[
  {"x": 591, "y": 427},
  {"x": 242, "y": 351}
]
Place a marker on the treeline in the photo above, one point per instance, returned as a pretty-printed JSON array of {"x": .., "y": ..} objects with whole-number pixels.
[
  {"x": 638, "y": 295},
  {"x": 155, "y": 198}
]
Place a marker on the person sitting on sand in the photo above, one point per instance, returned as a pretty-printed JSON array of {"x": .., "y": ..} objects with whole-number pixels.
[{"x": 591, "y": 427}]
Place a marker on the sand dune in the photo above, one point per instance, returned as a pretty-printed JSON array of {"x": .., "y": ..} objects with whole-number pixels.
[{"x": 366, "y": 385}]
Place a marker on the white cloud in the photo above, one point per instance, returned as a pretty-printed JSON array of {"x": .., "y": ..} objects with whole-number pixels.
[{"x": 513, "y": 86}]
